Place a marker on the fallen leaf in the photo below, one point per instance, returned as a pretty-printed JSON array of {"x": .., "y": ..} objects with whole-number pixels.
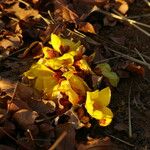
[
  {"x": 21, "y": 13},
  {"x": 63, "y": 13},
  {"x": 136, "y": 69},
  {"x": 69, "y": 141},
  {"x": 86, "y": 27},
  {"x": 123, "y": 6},
  {"x": 97, "y": 144},
  {"x": 25, "y": 117}
]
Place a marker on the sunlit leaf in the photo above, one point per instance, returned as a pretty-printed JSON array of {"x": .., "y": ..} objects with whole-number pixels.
[
  {"x": 96, "y": 103},
  {"x": 112, "y": 77},
  {"x": 105, "y": 70}
]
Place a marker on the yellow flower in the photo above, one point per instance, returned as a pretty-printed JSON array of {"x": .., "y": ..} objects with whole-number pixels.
[
  {"x": 77, "y": 83},
  {"x": 65, "y": 87},
  {"x": 96, "y": 105},
  {"x": 57, "y": 42},
  {"x": 44, "y": 77},
  {"x": 65, "y": 60},
  {"x": 83, "y": 65}
]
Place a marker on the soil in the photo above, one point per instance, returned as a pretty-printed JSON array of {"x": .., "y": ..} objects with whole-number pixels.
[{"x": 135, "y": 88}]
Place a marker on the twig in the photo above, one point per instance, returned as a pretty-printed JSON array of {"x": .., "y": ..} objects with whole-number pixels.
[
  {"x": 17, "y": 142},
  {"x": 30, "y": 134},
  {"x": 133, "y": 22},
  {"x": 138, "y": 16},
  {"x": 125, "y": 142},
  {"x": 61, "y": 137},
  {"x": 130, "y": 57},
  {"x": 7, "y": 57},
  {"x": 27, "y": 4},
  {"x": 139, "y": 54},
  {"x": 104, "y": 60},
  {"x": 129, "y": 111},
  {"x": 147, "y": 2},
  {"x": 13, "y": 96}
]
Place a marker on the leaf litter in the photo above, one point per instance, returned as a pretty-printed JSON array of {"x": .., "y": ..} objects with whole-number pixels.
[{"x": 49, "y": 107}]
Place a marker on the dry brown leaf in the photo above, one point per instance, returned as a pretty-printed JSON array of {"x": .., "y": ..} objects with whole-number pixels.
[
  {"x": 12, "y": 41},
  {"x": 68, "y": 143},
  {"x": 97, "y": 144},
  {"x": 16, "y": 104},
  {"x": 122, "y": 6},
  {"x": 27, "y": 93},
  {"x": 63, "y": 13},
  {"x": 136, "y": 69},
  {"x": 86, "y": 27},
  {"x": 21, "y": 13},
  {"x": 25, "y": 117},
  {"x": 6, "y": 84}
]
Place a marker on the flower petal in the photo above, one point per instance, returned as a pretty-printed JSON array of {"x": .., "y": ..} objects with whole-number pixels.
[
  {"x": 65, "y": 87},
  {"x": 55, "y": 42},
  {"x": 107, "y": 117},
  {"x": 104, "y": 97}
]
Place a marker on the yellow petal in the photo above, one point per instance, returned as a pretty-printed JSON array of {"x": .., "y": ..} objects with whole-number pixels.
[
  {"x": 65, "y": 87},
  {"x": 63, "y": 61},
  {"x": 38, "y": 70},
  {"x": 44, "y": 80},
  {"x": 55, "y": 42},
  {"x": 107, "y": 117},
  {"x": 83, "y": 65},
  {"x": 96, "y": 100},
  {"x": 104, "y": 97},
  {"x": 77, "y": 83}
]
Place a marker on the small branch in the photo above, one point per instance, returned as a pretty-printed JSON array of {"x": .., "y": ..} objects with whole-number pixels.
[
  {"x": 147, "y": 2},
  {"x": 13, "y": 96},
  {"x": 61, "y": 137},
  {"x": 125, "y": 142},
  {"x": 138, "y": 16},
  {"x": 129, "y": 111},
  {"x": 130, "y": 58}
]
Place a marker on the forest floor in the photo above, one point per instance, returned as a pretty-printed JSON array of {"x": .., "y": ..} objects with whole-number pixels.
[{"x": 25, "y": 27}]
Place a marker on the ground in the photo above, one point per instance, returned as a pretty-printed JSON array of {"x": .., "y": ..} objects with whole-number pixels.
[{"x": 130, "y": 97}]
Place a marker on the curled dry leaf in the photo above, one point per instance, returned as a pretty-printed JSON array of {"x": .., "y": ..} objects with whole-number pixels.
[
  {"x": 21, "y": 13},
  {"x": 136, "y": 69},
  {"x": 97, "y": 144},
  {"x": 122, "y": 6},
  {"x": 86, "y": 27},
  {"x": 63, "y": 13},
  {"x": 16, "y": 104},
  {"x": 25, "y": 117}
]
